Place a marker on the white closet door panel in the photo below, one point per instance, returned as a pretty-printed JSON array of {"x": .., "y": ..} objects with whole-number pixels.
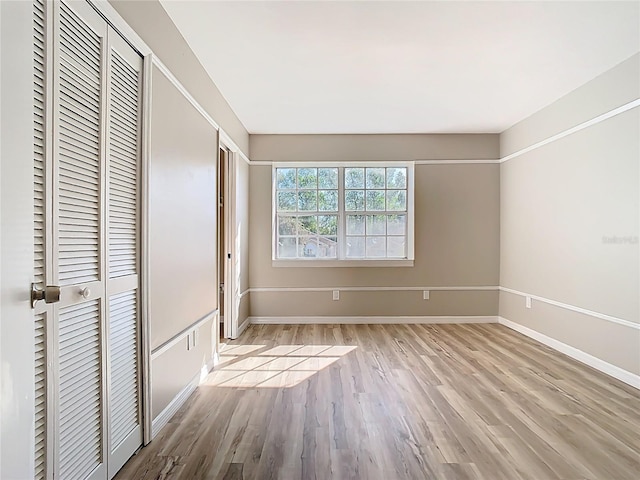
[
  {"x": 123, "y": 340},
  {"x": 39, "y": 240},
  {"x": 78, "y": 201},
  {"x": 39, "y": 86},
  {"x": 79, "y": 137},
  {"x": 40, "y": 394},
  {"x": 75, "y": 31},
  {"x": 80, "y": 413},
  {"x": 123, "y": 147},
  {"x": 124, "y": 121}
]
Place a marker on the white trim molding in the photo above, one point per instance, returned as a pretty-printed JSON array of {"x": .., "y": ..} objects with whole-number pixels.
[
  {"x": 179, "y": 400},
  {"x": 368, "y": 320},
  {"x": 586, "y": 358},
  {"x": 439, "y": 161},
  {"x": 577, "y": 128},
  {"x": 243, "y": 326},
  {"x": 457, "y": 162},
  {"x": 374, "y": 289},
  {"x": 184, "y": 333},
  {"x": 226, "y": 140},
  {"x": 170, "y": 410},
  {"x": 573, "y": 308}
]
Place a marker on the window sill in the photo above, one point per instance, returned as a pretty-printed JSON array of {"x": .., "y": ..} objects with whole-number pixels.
[{"x": 341, "y": 263}]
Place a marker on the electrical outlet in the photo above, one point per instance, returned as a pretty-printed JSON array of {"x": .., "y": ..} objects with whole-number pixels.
[
  {"x": 527, "y": 302},
  {"x": 336, "y": 294},
  {"x": 425, "y": 294}
]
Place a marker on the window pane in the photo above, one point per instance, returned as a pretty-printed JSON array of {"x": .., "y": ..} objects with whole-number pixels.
[
  {"x": 376, "y": 247},
  {"x": 395, "y": 247},
  {"x": 307, "y": 178},
  {"x": 328, "y": 200},
  {"x": 355, "y": 247},
  {"x": 376, "y": 225},
  {"x": 354, "y": 200},
  {"x": 287, "y": 225},
  {"x": 375, "y": 177},
  {"x": 287, "y": 248},
  {"x": 327, "y": 247},
  {"x": 307, "y": 246},
  {"x": 397, "y": 200},
  {"x": 328, "y": 225},
  {"x": 396, "y": 224},
  {"x": 307, "y": 225},
  {"x": 375, "y": 199},
  {"x": 286, "y": 178},
  {"x": 307, "y": 201},
  {"x": 397, "y": 177},
  {"x": 327, "y": 178},
  {"x": 355, "y": 224},
  {"x": 287, "y": 201},
  {"x": 354, "y": 178}
]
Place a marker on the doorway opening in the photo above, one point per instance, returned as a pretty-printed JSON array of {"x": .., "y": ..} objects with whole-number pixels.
[
  {"x": 226, "y": 253},
  {"x": 222, "y": 230}
]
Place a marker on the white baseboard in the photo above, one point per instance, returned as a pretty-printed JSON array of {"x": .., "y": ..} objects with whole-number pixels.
[
  {"x": 243, "y": 326},
  {"x": 178, "y": 401},
  {"x": 359, "y": 320},
  {"x": 586, "y": 358}
]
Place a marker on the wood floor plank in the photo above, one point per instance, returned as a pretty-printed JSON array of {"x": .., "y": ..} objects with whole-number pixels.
[{"x": 396, "y": 402}]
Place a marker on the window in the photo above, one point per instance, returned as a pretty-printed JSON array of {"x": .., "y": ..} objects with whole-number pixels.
[{"x": 356, "y": 213}]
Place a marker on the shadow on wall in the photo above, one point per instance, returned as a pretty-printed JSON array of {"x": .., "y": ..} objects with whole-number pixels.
[{"x": 283, "y": 366}]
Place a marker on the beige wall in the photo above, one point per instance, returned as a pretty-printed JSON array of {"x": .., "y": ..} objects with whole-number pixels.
[
  {"x": 173, "y": 369},
  {"x": 182, "y": 235},
  {"x": 151, "y": 22},
  {"x": 605, "y": 92},
  {"x": 282, "y": 148},
  {"x": 182, "y": 213},
  {"x": 559, "y": 205},
  {"x": 456, "y": 225}
]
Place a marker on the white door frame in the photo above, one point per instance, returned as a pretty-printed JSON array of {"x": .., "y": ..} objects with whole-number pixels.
[
  {"x": 145, "y": 339},
  {"x": 230, "y": 232}
]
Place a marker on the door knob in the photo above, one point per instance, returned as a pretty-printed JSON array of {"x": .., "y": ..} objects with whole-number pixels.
[
  {"x": 50, "y": 294},
  {"x": 85, "y": 292}
]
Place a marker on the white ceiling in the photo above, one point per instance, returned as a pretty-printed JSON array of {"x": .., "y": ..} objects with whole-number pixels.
[{"x": 401, "y": 67}]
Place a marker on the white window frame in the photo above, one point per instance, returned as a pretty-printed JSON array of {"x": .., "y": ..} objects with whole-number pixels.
[{"x": 342, "y": 261}]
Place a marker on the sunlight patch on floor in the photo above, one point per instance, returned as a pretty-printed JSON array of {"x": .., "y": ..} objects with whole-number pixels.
[
  {"x": 283, "y": 366},
  {"x": 228, "y": 353}
]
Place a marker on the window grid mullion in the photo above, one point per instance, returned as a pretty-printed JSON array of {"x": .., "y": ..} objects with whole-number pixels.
[{"x": 342, "y": 228}]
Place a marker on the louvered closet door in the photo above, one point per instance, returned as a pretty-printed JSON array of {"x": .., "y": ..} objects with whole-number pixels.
[
  {"x": 123, "y": 153},
  {"x": 87, "y": 84},
  {"x": 79, "y": 231}
]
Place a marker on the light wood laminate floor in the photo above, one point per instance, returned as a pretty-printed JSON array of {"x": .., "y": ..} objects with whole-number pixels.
[{"x": 444, "y": 402}]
